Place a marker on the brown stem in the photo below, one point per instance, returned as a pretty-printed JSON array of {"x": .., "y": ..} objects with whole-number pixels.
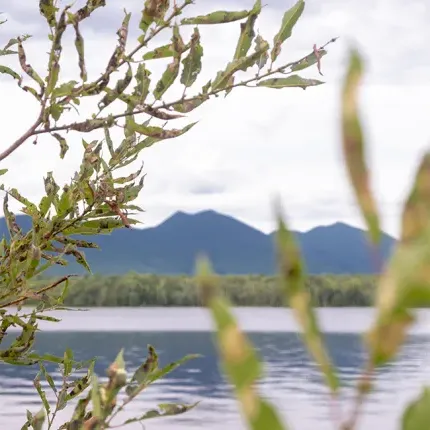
[
  {"x": 362, "y": 391},
  {"x": 22, "y": 139},
  {"x": 42, "y": 290},
  {"x": 145, "y": 109}
]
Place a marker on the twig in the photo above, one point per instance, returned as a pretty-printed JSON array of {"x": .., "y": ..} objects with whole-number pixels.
[
  {"x": 22, "y": 139},
  {"x": 101, "y": 122},
  {"x": 362, "y": 391},
  {"x": 42, "y": 290}
]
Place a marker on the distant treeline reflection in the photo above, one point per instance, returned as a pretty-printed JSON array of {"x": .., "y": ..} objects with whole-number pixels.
[{"x": 155, "y": 290}]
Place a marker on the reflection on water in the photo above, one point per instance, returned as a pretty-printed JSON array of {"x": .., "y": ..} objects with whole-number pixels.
[{"x": 291, "y": 381}]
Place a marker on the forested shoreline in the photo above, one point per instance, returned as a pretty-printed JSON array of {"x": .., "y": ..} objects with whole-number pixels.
[{"x": 157, "y": 290}]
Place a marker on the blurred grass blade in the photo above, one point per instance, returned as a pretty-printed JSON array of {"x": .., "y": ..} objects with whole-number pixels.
[
  {"x": 417, "y": 414},
  {"x": 292, "y": 277},
  {"x": 405, "y": 283},
  {"x": 416, "y": 211},
  {"x": 353, "y": 148},
  {"x": 238, "y": 357}
]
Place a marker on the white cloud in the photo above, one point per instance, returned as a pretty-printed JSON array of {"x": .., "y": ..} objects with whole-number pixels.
[{"x": 257, "y": 143}]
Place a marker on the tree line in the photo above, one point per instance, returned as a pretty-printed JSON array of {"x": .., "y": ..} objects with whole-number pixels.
[{"x": 135, "y": 289}]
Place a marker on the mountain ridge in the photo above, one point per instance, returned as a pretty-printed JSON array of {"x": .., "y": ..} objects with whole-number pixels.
[{"x": 234, "y": 247}]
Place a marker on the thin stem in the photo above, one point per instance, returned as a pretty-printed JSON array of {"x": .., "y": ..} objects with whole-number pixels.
[
  {"x": 362, "y": 391},
  {"x": 102, "y": 121},
  {"x": 30, "y": 132},
  {"x": 42, "y": 290}
]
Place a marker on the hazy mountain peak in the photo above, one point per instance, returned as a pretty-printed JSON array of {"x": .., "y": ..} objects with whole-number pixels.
[{"x": 233, "y": 247}]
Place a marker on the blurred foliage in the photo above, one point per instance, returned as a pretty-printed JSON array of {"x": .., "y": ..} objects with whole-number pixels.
[
  {"x": 100, "y": 197},
  {"x": 136, "y": 289},
  {"x": 402, "y": 285}
]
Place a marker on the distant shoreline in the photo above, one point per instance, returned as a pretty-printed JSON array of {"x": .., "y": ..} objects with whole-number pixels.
[{"x": 146, "y": 290}]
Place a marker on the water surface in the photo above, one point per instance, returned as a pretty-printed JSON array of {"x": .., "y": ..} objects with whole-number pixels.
[{"x": 291, "y": 381}]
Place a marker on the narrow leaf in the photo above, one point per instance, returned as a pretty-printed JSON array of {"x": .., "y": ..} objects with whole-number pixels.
[
  {"x": 238, "y": 357},
  {"x": 308, "y": 61},
  {"x": 292, "y": 277},
  {"x": 8, "y": 71},
  {"x": 293, "y": 81},
  {"x": 354, "y": 148},
  {"x": 64, "y": 147},
  {"x": 247, "y": 32},
  {"x": 157, "y": 132},
  {"x": 219, "y": 17},
  {"x": 193, "y": 61},
  {"x": 289, "y": 20},
  {"x": 417, "y": 414}
]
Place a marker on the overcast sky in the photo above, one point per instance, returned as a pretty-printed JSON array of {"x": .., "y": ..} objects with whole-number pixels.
[{"x": 256, "y": 143}]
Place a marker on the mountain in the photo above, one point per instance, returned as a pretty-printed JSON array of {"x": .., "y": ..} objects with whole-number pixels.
[{"x": 232, "y": 246}]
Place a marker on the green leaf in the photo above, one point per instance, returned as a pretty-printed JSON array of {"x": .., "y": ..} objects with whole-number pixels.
[
  {"x": 64, "y": 147},
  {"x": 102, "y": 224},
  {"x": 65, "y": 89},
  {"x": 293, "y": 81},
  {"x": 3, "y": 171},
  {"x": 80, "y": 49},
  {"x": 161, "y": 373},
  {"x": 4, "y": 52},
  {"x": 289, "y": 20},
  {"x": 171, "y": 73},
  {"x": 119, "y": 89},
  {"x": 48, "y": 377},
  {"x": 160, "y": 52},
  {"x": 68, "y": 361},
  {"x": 26, "y": 67},
  {"x": 224, "y": 77},
  {"x": 10, "y": 72},
  {"x": 95, "y": 398},
  {"x": 218, "y": 17},
  {"x": 416, "y": 210},
  {"x": 189, "y": 105},
  {"x": 56, "y": 110},
  {"x": 33, "y": 260},
  {"x": 38, "y": 420},
  {"x": 353, "y": 146},
  {"x": 164, "y": 410},
  {"x": 41, "y": 393},
  {"x": 193, "y": 61},
  {"x": 238, "y": 357},
  {"x": 145, "y": 370},
  {"x": 157, "y": 132},
  {"x": 48, "y": 10},
  {"x": 45, "y": 204},
  {"x": 129, "y": 178},
  {"x": 47, "y": 318},
  {"x": 14, "y": 41},
  {"x": 298, "y": 297},
  {"x": 247, "y": 32},
  {"x": 142, "y": 88},
  {"x": 153, "y": 11},
  {"x": 80, "y": 258},
  {"x": 405, "y": 282},
  {"x": 308, "y": 61},
  {"x": 417, "y": 414},
  {"x": 260, "y": 44}
]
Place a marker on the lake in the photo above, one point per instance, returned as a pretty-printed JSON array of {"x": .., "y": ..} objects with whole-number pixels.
[{"x": 291, "y": 381}]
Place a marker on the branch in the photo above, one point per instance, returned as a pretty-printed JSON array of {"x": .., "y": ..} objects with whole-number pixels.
[
  {"x": 91, "y": 124},
  {"x": 106, "y": 75},
  {"x": 30, "y": 132},
  {"x": 42, "y": 290}
]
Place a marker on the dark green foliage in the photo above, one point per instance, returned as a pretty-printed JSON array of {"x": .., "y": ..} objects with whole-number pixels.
[{"x": 135, "y": 289}]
